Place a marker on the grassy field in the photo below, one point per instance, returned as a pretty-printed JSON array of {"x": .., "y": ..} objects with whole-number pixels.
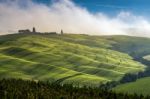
[
  {"x": 69, "y": 58},
  {"x": 141, "y": 86},
  {"x": 147, "y": 57}
]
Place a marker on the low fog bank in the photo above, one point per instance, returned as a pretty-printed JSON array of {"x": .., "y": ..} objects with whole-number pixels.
[{"x": 66, "y": 15}]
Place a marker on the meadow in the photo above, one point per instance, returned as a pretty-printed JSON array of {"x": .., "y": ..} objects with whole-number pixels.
[
  {"x": 141, "y": 86},
  {"x": 69, "y": 58}
]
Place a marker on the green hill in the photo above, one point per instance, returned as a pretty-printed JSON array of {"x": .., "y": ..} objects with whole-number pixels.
[
  {"x": 69, "y": 58},
  {"x": 141, "y": 86}
]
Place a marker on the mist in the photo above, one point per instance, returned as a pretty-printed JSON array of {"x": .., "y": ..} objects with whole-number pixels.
[{"x": 66, "y": 15}]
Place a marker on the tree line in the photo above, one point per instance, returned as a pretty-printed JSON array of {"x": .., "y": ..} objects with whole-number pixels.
[{"x": 24, "y": 89}]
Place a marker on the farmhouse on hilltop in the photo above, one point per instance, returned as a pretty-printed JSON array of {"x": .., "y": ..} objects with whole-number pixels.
[{"x": 27, "y": 31}]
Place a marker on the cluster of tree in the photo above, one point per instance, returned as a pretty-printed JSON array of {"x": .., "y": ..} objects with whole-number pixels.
[
  {"x": 20, "y": 89},
  {"x": 129, "y": 77},
  {"x": 134, "y": 77}
]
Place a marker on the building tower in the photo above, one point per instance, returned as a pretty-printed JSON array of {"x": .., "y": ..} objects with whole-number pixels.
[
  {"x": 62, "y": 32},
  {"x": 34, "y": 31}
]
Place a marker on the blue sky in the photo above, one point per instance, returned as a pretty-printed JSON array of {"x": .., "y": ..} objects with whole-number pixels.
[
  {"x": 112, "y": 7},
  {"x": 101, "y": 17}
]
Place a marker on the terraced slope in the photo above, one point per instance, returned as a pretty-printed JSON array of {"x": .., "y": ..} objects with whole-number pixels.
[
  {"x": 141, "y": 86},
  {"x": 83, "y": 59}
]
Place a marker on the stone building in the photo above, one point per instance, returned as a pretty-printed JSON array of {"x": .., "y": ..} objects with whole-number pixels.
[
  {"x": 61, "y": 32},
  {"x": 34, "y": 30},
  {"x": 27, "y": 31},
  {"x": 24, "y": 31}
]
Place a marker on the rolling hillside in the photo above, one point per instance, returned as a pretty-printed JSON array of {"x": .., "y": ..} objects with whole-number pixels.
[{"x": 69, "y": 58}]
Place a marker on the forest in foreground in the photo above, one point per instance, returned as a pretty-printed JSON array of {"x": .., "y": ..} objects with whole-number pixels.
[{"x": 27, "y": 89}]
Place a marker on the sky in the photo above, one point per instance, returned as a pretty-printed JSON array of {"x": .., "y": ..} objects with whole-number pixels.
[
  {"x": 112, "y": 7},
  {"x": 93, "y": 17}
]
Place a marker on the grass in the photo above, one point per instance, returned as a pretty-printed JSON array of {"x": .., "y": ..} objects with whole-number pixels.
[
  {"x": 147, "y": 57},
  {"x": 69, "y": 58},
  {"x": 141, "y": 86}
]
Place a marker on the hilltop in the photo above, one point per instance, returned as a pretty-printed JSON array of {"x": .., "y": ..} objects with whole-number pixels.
[{"x": 71, "y": 58}]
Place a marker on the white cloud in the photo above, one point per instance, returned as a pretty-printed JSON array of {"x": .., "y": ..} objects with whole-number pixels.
[{"x": 66, "y": 15}]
